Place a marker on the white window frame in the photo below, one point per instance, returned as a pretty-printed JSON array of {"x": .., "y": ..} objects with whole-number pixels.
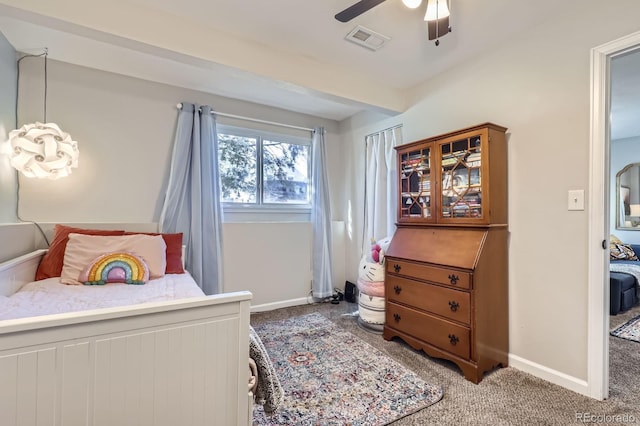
[{"x": 260, "y": 211}]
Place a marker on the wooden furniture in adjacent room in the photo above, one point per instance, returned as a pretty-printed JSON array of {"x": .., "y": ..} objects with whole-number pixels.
[{"x": 447, "y": 265}]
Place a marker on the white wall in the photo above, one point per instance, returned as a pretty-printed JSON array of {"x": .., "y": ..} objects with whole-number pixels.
[
  {"x": 537, "y": 85},
  {"x": 7, "y": 123},
  {"x": 16, "y": 238},
  {"x": 623, "y": 152},
  {"x": 124, "y": 128},
  {"x": 271, "y": 260}
]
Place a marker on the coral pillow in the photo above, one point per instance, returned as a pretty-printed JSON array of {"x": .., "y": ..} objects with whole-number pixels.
[
  {"x": 174, "y": 251},
  {"x": 82, "y": 250},
  {"x": 51, "y": 264}
]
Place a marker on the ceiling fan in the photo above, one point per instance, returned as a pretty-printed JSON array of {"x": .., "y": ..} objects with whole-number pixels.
[
  {"x": 437, "y": 15},
  {"x": 357, "y": 9}
]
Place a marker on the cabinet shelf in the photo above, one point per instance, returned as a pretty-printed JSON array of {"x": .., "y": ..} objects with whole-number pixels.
[
  {"x": 410, "y": 195},
  {"x": 455, "y": 168}
]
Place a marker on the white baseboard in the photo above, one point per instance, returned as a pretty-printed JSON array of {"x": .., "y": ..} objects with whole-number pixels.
[
  {"x": 280, "y": 304},
  {"x": 556, "y": 377}
]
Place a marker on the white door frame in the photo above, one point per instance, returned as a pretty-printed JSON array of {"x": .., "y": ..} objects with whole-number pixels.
[{"x": 598, "y": 297}]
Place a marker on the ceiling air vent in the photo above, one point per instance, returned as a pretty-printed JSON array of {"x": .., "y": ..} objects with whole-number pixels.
[{"x": 367, "y": 38}]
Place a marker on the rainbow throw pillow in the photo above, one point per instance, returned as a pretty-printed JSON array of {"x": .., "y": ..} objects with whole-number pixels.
[{"x": 121, "y": 267}]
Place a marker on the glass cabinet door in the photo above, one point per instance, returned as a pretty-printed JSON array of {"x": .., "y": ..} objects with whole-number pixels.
[
  {"x": 415, "y": 184},
  {"x": 461, "y": 177}
]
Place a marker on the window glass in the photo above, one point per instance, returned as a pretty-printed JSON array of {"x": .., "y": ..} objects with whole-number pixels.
[
  {"x": 263, "y": 170},
  {"x": 237, "y": 156},
  {"x": 286, "y": 172}
]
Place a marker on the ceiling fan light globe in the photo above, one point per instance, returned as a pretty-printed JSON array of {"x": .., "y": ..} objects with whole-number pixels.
[
  {"x": 412, "y": 4},
  {"x": 436, "y": 9}
]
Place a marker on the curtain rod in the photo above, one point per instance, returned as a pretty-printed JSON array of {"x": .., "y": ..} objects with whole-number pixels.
[
  {"x": 240, "y": 117},
  {"x": 384, "y": 130}
]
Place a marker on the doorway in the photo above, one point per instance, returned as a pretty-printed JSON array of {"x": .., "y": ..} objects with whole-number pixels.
[{"x": 599, "y": 212}]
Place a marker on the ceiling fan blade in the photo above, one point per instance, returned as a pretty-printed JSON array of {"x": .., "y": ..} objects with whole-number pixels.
[{"x": 357, "y": 9}]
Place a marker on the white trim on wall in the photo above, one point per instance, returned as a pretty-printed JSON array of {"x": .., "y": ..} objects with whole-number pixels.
[
  {"x": 554, "y": 376},
  {"x": 281, "y": 304},
  {"x": 598, "y": 228}
]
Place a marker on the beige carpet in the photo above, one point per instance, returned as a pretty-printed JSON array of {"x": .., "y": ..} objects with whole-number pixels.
[
  {"x": 624, "y": 364},
  {"x": 504, "y": 397}
]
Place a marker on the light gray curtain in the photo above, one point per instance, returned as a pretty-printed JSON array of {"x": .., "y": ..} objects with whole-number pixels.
[
  {"x": 381, "y": 193},
  {"x": 192, "y": 202},
  {"x": 320, "y": 218}
]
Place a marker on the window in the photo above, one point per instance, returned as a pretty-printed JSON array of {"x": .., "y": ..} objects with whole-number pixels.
[{"x": 262, "y": 170}]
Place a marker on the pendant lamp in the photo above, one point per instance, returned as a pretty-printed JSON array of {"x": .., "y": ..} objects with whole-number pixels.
[{"x": 42, "y": 150}]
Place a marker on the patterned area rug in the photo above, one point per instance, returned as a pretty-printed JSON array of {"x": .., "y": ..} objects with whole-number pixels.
[
  {"x": 332, "y": 377},
  {"x": 630, "y": 330}
]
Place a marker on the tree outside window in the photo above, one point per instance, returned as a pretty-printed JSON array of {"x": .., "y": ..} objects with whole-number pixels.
[{"x": 260, "y": 169}]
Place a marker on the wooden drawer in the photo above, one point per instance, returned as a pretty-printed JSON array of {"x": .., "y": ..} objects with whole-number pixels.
[
  {"x": 444, "y": 334},
  {"x": 426, "y": 272},
  {"x": 447, "y": 302}
]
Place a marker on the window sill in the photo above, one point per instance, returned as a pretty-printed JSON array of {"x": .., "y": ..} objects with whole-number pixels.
[{"x": 264, "y": 214}]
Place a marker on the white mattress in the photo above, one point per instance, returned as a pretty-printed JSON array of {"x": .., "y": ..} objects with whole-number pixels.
[{"x": 49, "y": 296}]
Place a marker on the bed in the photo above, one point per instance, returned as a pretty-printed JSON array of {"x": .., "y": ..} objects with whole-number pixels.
[{"x": 153, "y": 362}]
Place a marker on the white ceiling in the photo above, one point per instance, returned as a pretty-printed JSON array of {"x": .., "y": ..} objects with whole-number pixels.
[{"x": 289, "y": 54}]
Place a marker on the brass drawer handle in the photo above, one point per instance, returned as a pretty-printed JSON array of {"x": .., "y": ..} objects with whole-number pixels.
[
  {"x": 397, "y": 268},
  {"x": 397, "y": 289},
  {"x": 454, "y": 279},
  {"x": 453, "y": 339},
  {"x": 396, "y": 317},
  {"x": 453, "y": 305}
]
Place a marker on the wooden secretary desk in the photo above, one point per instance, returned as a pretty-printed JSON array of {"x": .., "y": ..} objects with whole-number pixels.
[{"x": 446, "y": 277}]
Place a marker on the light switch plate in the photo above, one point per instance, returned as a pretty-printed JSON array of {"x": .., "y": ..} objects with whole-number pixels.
[{"x": 576, "y": 199}]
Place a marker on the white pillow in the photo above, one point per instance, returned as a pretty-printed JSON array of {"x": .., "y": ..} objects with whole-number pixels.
[{"x": 82, "y": 249}]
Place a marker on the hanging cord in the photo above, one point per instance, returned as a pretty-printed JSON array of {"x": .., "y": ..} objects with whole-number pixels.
[
  {"x": 18, "y": 212},
  {"x": 46, "y": 84},
  {"x": 437, "y": 42},
  {"x": 45, "y": 54},
  {"x": 438, "y": 20}
]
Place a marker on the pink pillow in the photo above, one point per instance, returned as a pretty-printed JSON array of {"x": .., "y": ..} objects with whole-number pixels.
[
  {"x": 82, "y": 250},
  {"x": 371, "y": 288},
  {"x": 174, "y": 251},
  {"x": 51, "y": 263}
]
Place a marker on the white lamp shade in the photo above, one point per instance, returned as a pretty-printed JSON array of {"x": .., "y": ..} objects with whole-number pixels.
[
  {"x": 412, "y": 4},
  {"x": 436, "y": 9},
  {"x": 42, "y": 150},
  {"x": 634, "y": 210}
]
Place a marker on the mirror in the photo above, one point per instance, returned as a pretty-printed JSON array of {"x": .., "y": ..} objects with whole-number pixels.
[{"x": 628, "y": 198}]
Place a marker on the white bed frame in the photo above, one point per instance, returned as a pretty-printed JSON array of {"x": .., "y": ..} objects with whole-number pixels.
[{"x": 182, "y": 362}]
